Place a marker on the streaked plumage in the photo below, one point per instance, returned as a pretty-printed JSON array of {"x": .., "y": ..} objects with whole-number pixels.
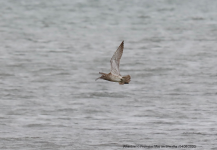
[{"x": 114, "y": 75}]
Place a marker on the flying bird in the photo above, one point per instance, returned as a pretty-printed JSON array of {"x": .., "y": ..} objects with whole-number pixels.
[{"x": 115, "y": 75}]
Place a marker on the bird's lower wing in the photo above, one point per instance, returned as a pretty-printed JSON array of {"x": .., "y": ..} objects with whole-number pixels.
[{"x": 114, "y": 68}]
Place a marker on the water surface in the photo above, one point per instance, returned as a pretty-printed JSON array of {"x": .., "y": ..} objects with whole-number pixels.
[{"x": 51, "y": 53}]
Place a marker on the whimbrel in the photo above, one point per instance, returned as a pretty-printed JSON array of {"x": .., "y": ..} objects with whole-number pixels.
[{"x": 114, "y": 75}]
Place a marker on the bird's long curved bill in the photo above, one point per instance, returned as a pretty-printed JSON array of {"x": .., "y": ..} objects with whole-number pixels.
[{"x": 97, "y": 78}]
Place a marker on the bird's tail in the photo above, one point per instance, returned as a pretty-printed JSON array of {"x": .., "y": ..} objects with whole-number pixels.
[{"x": 125, "y": 80}]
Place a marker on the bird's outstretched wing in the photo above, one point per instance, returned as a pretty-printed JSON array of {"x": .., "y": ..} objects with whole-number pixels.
[{"x": 115, "y": 60}]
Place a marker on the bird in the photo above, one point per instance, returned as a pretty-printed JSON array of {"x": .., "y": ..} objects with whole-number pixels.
[{"x": 114, "y": 75}]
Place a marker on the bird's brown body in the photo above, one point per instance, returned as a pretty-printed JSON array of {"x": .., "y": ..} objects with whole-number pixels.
[{"x": 114, "y": 75}]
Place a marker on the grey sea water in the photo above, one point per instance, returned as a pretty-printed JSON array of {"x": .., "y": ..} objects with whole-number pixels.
[{"x": 51, "y": 53}]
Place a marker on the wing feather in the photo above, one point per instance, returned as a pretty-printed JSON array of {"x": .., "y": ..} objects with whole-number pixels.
[{"x": 115, "y": 60}]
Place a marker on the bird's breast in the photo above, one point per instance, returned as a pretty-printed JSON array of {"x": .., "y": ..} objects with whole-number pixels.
[{"x": 115, "y": 78}]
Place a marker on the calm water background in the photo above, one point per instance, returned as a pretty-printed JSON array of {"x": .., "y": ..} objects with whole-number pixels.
[{"x": 51, "y": 53}]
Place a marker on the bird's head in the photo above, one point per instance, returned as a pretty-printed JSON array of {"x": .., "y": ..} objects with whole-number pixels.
[{"x": 102, "y": 77}]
